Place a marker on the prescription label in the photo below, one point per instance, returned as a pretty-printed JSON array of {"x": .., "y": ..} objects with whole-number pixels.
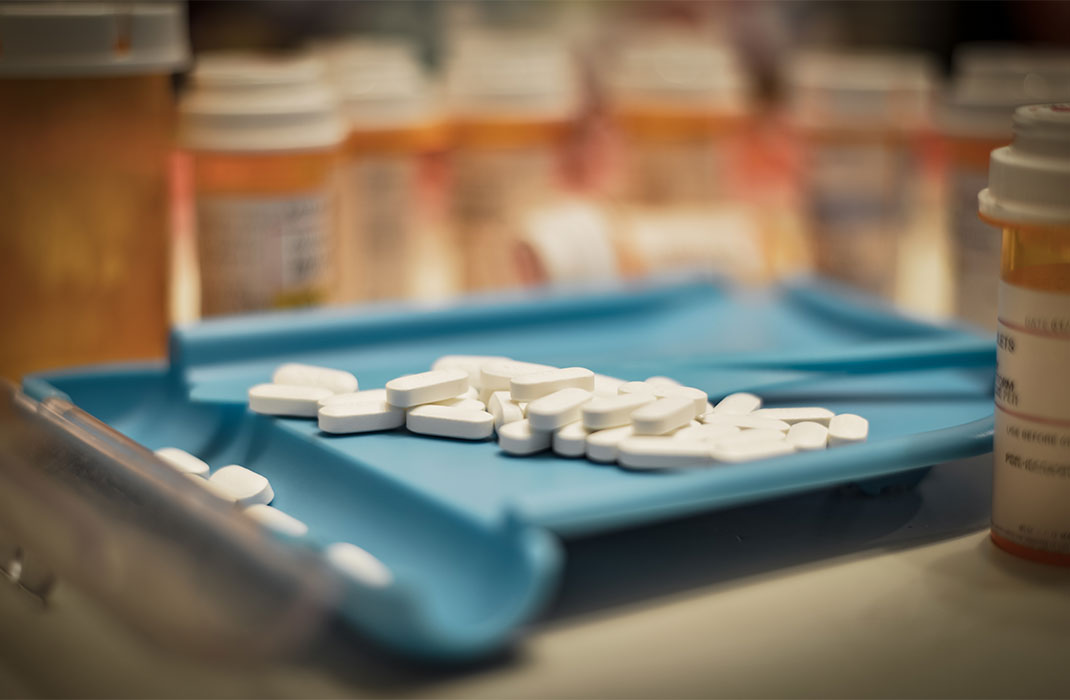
[
  {"x": 977, "y": 250},
  {"x": 263, "y": 252},
  {"x": 1031, "y": 501}
]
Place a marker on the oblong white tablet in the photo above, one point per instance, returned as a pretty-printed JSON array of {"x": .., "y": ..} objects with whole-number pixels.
[
  {"x": 750, "y": 437},
  {"x": 610, "y": 412},
  {"x": 602, "y": 445},
  {"x": 847, "y": 428},
  {"x": 247, "y": 487},
  {"x": 359, "y": 564},
  {"x": 426, "y": 387},
  {"x": 183, "y": 461},
  {"x": 472, "y": 364},
  {"x": 660, "y": 381},
  {"x": 518, "y": 438},
  {"x": 364, "y": 417},
  {"x": 605, "y": 385},
  {"x": 675, "y": 391},
  {"x": 657, "y": 452},
  {"x": 808, "y": 436},
  {"x": 450, "y": 421},
  {"x": 571, "y": 440},
  {"x": 636, "y": 388},
  {"x": 737, "y": 404},
  {"x": 286, "y": 399},
  {"x": 212, "y": 488},
  {"x": 504, "y": 409},
  {"x": 707, "y": 433},
  {"x": 558, "y": 409},
  {"x": 745, "y": 421},
  {"x": 496, "y": 375},
  {"x": 462, "y": 402},
  {"x": 528, "y": 387},
  {"x": 815, "y": 414},
  {"x": 367, "y": 396},
  {"x": 276, "y": 520},
  {"x": 337, "y": 380},
  {"x": 663, "y": 416},
  {"x": 748, "y": 452}
]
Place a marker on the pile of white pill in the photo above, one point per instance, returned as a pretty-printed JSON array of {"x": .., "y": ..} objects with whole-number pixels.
[
  {"x": 252, "y": 493},
  {"x": 652, "y": 424}
]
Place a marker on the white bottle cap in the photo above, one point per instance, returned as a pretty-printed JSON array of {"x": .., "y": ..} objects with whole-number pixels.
[
  {"x": 860, "y": 90},
  {"x": 380, "y": 82},
  {"x": 1029, "y": 180},
  {"x": 511, "y": 76},
  {"x": 46, "y": 39},
  {"x": 679, "y": 72},
  {"x": 249, "y": 102}
]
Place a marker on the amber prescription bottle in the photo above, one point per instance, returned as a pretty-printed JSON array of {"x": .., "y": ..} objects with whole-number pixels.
[
  {"x": 87, "y": 121},
  {"x": 1028, "y": 196},
  {"x": 264, "y": 137}
]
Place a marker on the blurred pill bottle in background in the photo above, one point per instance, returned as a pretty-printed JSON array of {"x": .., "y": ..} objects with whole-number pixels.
[
  {"x": 263, "y": 137},
  {"x": 513, "y": 100},
  {"x": 1028, "y": 196},
  {"x": 87, "y": 120},
  {"x": 860, "y": 119},
  {"x": 988, "y": 82},
  {"x": 392, "y": 243}
]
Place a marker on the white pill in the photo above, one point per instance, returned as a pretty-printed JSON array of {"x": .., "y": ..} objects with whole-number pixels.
[
  {"x": 748, "y": 421},
  {"x": 462, "y": 402},
  {"x": 496, "y": 375},
  {"x": 450, "y": 421},
  {"x": 471, "y": 393},
  {"x": 708, "y": 408},
  {"x": 359, "y": 564},
  {"x": 183, "y": 461},
  {"x": 738, "y": 404},
  {"x": 791, "y": 416},
  {"x": 636, "y": 388},
  {"x": 528, "y": 387},
  {"x": 707, "y": 433},
  {"x": 663, "y": 416},
  {"x": 286, "y": 399},
  {"x": 518, "y": 438},
  {"x": 571, "y": 440},
  {"x": 426, "y": 387},
  {"x": 360, "y": 417},
  {"x": 558, "y": 409},
  {"x": 750, "y": 437},
  {"x": 748, "y": 452},
  {"x": 338, "y": 381},
  {"x": 276, "y": 520},
  {"x": 472, "y": 364},
  {"x": 247, "y": 487},
  {"x": 675, "y": 391},
  {"x": 662, "y": 381},
  {"x": 602, "y": 444},
  {"x": 212, "y": 488},
  {"x": 656, "y": 452},
  {"x": 367, "y": 396},
  {"x": 611, "y": 412},
  {"x": 847, "y": 428},
  {"x": 808, "y": 436},
  {"x": 504, "y": 409},
  {"x": 606, "y": 386}
]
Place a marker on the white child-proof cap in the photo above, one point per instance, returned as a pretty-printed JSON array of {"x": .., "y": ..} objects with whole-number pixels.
[
  {"x": 53, "y": 39},
  {"x": 248, "y": 102},
  {"x": 1029, "y": 180}
]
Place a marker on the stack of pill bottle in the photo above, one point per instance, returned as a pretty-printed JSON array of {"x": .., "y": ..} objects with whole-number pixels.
[
  {"x": 1028, "y": 197},
  {"x": 264, "y": 138},
  {"x": 392, "y": 194},
  {"x": 513, "y": 99},
  {"x": 87, "y": 119},
  {"x": 988, "y": 83},
  {"x": 860, "y": 119}
]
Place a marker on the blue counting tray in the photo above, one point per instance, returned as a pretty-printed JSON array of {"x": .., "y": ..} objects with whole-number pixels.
[{"x": 469, "y": 532}]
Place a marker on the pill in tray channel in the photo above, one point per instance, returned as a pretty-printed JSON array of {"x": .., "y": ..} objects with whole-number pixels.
[{"x": 653, "y": 424}]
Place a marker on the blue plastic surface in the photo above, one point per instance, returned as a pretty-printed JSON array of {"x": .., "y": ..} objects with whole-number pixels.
[{"x": 465, "y": 528}]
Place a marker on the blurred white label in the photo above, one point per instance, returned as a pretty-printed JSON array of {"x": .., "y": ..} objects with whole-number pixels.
[
  {"x": 1031, "y": 497},
  {"x": 263, "y": 252},
  {"x": 571, "y": 242},
  {"x": 724, "y": 239}
]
